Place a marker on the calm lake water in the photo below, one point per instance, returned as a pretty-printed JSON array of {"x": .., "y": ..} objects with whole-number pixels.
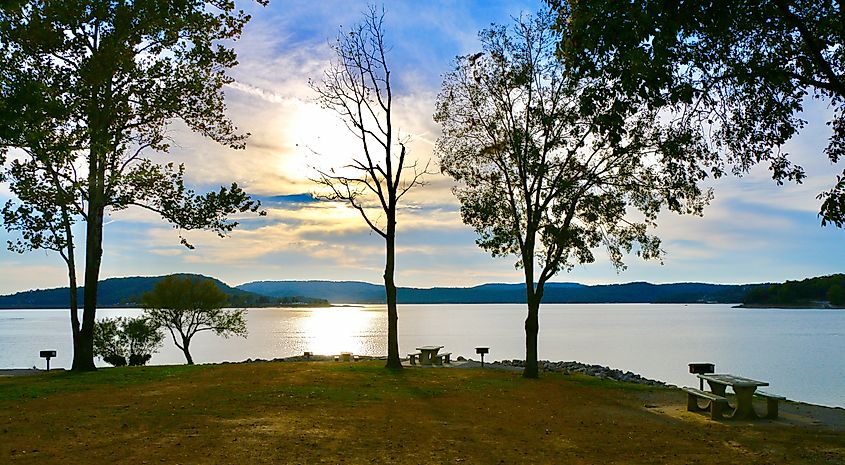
[{"x": 801, "y": 353}]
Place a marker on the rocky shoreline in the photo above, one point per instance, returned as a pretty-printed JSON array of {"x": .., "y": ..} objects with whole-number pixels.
[{"x": 597, "y": 371}]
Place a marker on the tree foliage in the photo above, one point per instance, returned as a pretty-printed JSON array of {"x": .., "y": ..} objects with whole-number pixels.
[
  {"x": 87, "y": 90},
  {"x": 186, "y": 306},
  {"x": 544, "y": 180},
  {"x": 358, "y": 88},
  {"x": 126, "y": 341},
  {"x": 731, "y": 75},
  {"x": 807, "y": 292}
]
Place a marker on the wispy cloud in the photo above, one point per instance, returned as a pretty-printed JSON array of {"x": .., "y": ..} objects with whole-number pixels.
[{"x": 754, "y": 231}]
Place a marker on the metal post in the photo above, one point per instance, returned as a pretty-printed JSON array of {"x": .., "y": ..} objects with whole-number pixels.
[
  {"x": 47, "y": 354},
  {"x": 481, "y": 351}
]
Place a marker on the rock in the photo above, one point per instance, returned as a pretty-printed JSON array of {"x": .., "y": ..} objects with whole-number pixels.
[{"x": 597, "y": 371}]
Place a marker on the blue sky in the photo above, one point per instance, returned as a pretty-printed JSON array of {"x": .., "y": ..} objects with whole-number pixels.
[{"x": 754, "y": 231}]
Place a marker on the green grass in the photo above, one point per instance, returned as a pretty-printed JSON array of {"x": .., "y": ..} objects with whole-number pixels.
[
  {"x": 326, "y": 412},
  {"x": 46, "y": 384}
]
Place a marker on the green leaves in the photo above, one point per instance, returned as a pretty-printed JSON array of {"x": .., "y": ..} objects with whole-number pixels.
[
  {"x": 123, "y": 340},
  {"x": 87, "y": 87},
  {"x": 729, "y": 77},
  {"x": 188, "y": 305},
  {"x": 551, "y": 165}
]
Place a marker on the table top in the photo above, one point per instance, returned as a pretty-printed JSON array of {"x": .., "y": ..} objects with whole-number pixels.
[
  {"x": 732, "y": 380},
  {"x": 430, "y": 348}
]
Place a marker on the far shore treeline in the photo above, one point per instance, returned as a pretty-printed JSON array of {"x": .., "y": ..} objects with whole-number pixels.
[{"x": 824, "y": 291}]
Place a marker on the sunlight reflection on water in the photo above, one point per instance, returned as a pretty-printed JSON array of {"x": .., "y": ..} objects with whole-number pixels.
[{"x": 336, "y": 330}]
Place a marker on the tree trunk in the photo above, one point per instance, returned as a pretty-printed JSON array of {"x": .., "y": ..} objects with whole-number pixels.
[
  {"x": 83, "y": 345},
  {"x": 74, "y": 286},
  {"x": 97, "y": 115},
  {"x": 393, "y": 360},
  {"x": 188, "y": 358},
  {"x": 532, "y": 321},
  {"x": 74, "y": 310},
  {"x": 532, "y": 329}
]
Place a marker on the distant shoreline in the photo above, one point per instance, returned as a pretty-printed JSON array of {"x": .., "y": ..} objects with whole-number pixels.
[{"x": 792, "y": 306}]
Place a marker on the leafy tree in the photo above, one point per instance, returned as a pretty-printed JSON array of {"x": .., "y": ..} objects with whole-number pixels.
[
  {"x": 186, "y": 306},
  {"x": 357, "y": 87},
  {"x": 538, "y": 177},
  {"x": 121, "y": 341},
  {"x": 730, "y": 75},
  {"x": 87, "y": 89},
  {"x": 108, "y": 343}
]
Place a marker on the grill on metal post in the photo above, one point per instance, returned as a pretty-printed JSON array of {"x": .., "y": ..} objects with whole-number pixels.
[
  {"x": 48, "y": 354},
  {"x": 481, "y": 351},
  {"x": 701, "y": 368}
]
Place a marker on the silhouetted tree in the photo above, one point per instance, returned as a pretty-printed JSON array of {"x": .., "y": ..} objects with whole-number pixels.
[
  {"x": 731, "y": 75},
  {"x": 358, "y": 88},
  {"x": 538, "y": 177},
  {"x": 186, "y": 306},
  {"x": 121, "y": 341},
  {"x": 87, "y": 88}
]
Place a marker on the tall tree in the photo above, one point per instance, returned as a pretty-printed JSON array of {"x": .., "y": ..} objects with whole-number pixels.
[
  {"x": 733, "y": 74},
  {"x": 541, "y": 178},
  {"x": 87, "y": 89},
  {"x": 187, "y": 306},
  {"x": 357, "y": 87}
]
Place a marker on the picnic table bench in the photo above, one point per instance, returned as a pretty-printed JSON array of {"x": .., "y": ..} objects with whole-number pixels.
[
  {"x": 445, "y": 357},
  {"x": 716, "y": 403},
  {"x": 744, "y": 389},
  {"x": 427, "y": 354},
  {"x": 771, "y": 403}
]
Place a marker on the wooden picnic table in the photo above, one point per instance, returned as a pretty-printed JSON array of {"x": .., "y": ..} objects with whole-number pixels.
[
  {"x": 743, "y": 388},
  {"x": 427, "y": 354}
]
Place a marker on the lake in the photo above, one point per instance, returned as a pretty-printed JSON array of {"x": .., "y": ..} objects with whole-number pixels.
[{"x": 800, "y": 352}]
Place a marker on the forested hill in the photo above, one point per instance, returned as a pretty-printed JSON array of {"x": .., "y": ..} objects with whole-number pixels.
[
  {"x": 126, "y": 292},
  {"x": 822, "y": 291},
  {"x": 637, "y": 292}
]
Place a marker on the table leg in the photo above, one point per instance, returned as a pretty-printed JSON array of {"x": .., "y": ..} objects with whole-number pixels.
[
  {"x": 716, "y": 388},
  {"x": 744, "y": 403}
]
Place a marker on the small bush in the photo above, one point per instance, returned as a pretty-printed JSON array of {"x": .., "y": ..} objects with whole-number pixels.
[{"x": 116, "y": 339}]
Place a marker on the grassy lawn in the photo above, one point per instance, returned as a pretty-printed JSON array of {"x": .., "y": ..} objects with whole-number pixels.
[{"x": 361, "y": 413}]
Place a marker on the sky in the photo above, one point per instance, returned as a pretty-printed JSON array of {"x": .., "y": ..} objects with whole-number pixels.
[{"x": 754, "y": 231}]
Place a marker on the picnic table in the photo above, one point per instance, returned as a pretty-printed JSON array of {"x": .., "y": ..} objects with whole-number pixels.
[
  {"x": 743, "y": 388},
  {"x": 427, "y": 354}
]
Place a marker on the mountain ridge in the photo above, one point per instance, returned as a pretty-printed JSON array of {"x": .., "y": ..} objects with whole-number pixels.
[
  {"x": 121, "y": 292},
  {"x": 126, "y": 291},
  {"x": 358, "y": 292}
]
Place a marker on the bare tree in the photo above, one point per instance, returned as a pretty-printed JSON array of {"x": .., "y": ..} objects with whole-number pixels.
[{"x": 357, "y": 87}]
